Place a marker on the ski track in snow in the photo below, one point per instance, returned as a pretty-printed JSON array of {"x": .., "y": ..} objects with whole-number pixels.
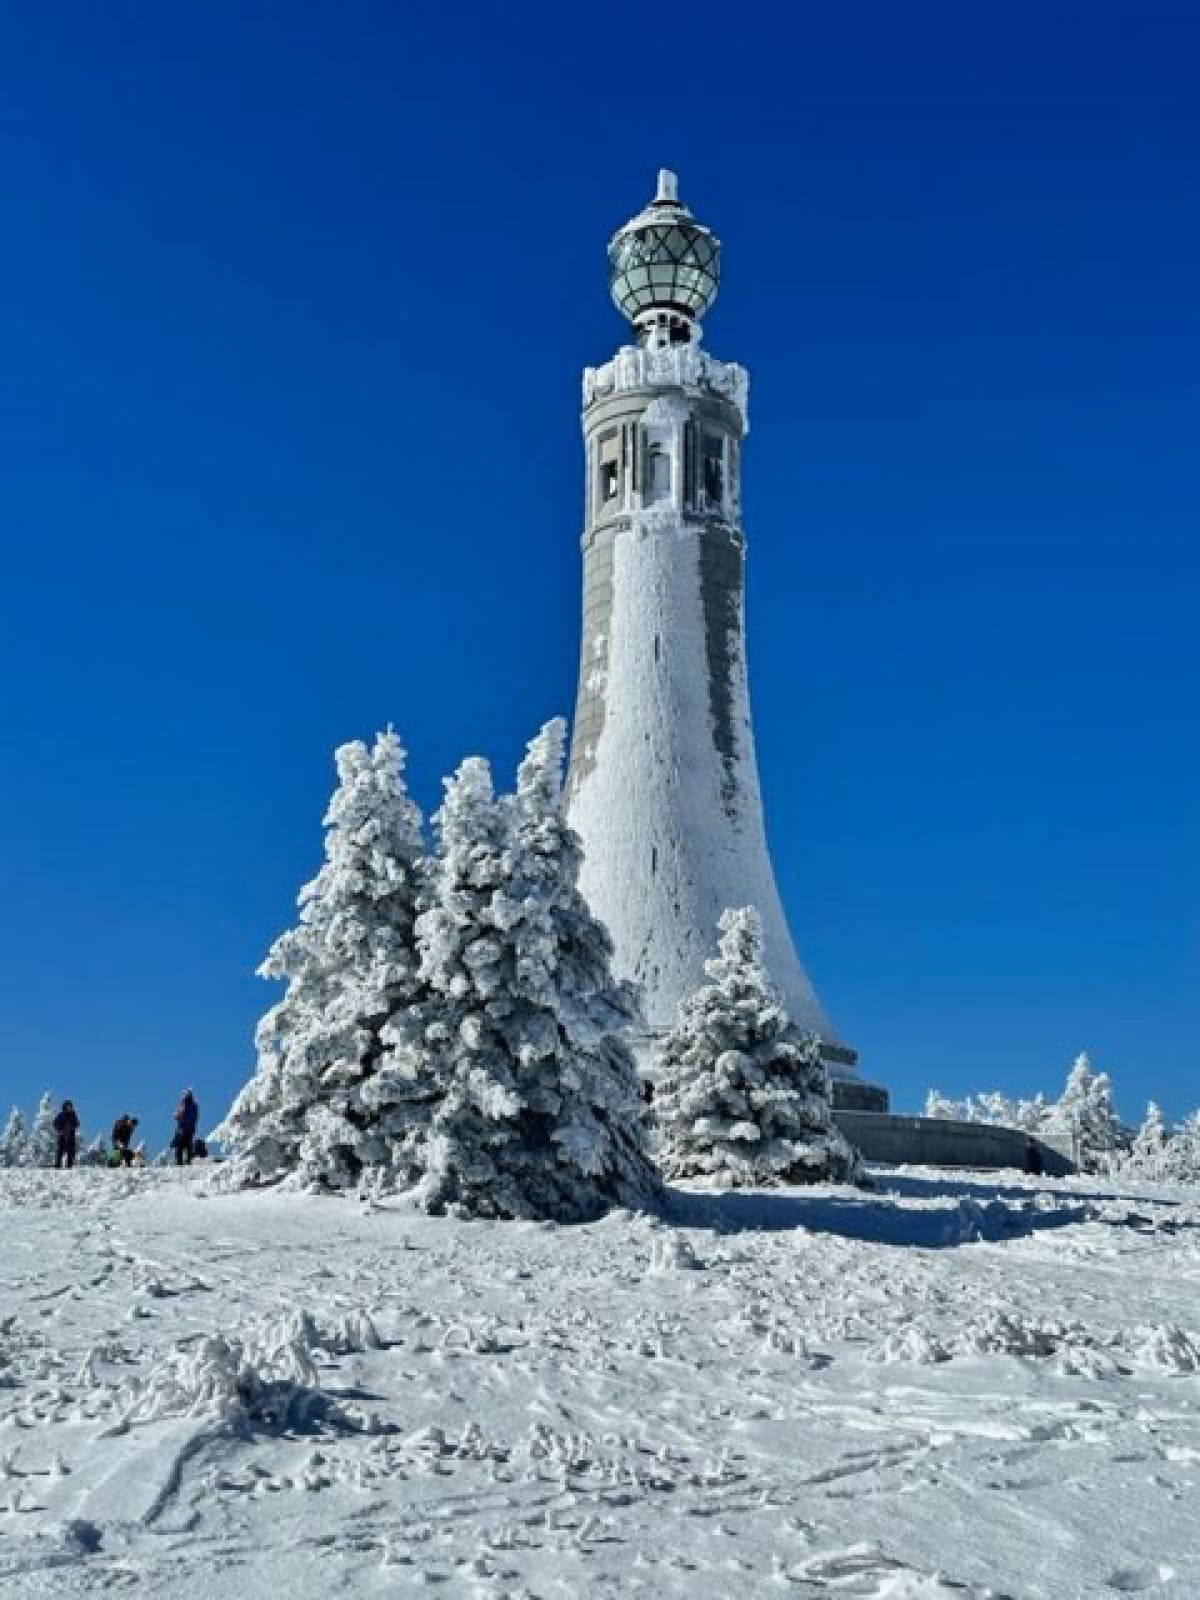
[{"x": 958, "y": 1385}]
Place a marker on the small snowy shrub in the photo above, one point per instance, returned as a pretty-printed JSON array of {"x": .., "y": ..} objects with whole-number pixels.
[
  {"x": 741, "y": 1098},
  {"x": 266, "y": 1375}
]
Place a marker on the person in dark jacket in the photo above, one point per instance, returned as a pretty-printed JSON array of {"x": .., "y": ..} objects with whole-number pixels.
[
  {"x": 122, "y": 1137},
  {"x": 187, "y": 1118},
  {"x": 66, "y": 1126}
]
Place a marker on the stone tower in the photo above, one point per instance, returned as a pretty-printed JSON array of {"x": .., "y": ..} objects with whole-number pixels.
[{"x": 663, "y": 782}]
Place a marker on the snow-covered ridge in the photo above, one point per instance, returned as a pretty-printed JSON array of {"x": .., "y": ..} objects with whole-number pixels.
[{"x": 681, "y": 366}]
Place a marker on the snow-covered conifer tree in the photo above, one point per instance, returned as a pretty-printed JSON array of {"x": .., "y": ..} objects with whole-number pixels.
[
  {"x": 1001, "y": 1111},
  {"x": 94, "y": 1154},
  {"x": 1150, "y": 1155},
  {"x": 41, "y": 1146},
  {"x": 1184, "y": 1150},
  {"x": 541, "y": 1115},
  {"x": 1034, "y": 1115},
  {"x": 740, "y": 1097},
  {"x": 1087, "y": 1112},
  {"x": 1031, "y": 1116},
  {"x": 995, "y": 1108},
  {"x": 1151, "y": 1138},
  {"x": 350, "y": 965},
  {"x": 940, "y": 1106},
  {"x": 13, "y": 1140}
]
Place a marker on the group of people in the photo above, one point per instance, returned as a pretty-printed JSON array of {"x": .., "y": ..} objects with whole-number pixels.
[{"x": 185, "y": 1143}]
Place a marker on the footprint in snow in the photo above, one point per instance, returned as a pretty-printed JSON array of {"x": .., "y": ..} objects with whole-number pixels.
[{"x": 1136, "y": 1579}]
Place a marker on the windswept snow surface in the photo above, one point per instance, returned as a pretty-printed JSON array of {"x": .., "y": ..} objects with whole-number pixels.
[{"x": 954, "y": 1386}]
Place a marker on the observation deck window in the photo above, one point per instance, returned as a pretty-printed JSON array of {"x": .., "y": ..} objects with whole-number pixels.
[
  {"x": 608, "y": 469},
  {"x": 658, "y": 474},
  {"x": 713, "y": 470}
]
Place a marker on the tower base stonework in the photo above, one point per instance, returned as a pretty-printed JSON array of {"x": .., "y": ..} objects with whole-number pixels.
[
  {"x": 663, "y": 784},
  {"x": 856, "y": 1094}
]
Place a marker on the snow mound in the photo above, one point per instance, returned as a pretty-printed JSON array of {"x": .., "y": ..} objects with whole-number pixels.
[
  {"x": 916, "y": 1345},
  {"x": 1005, "y": 1333},
  {"x": 671, "y": 1253},
  {"x": 340, "y": 1333},
  {"x": 1167, "y": 1347},
  {"x": 1075, "y": 1351}
]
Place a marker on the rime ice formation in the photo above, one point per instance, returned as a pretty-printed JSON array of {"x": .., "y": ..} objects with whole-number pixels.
[{"x": 663, "y": 785}]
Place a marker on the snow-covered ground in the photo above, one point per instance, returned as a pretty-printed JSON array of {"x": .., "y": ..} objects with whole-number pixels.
[{"x": 959, "y": 1385}]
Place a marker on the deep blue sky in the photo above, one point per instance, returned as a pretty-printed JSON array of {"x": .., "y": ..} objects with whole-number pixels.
[{"x": 295, "y": 302}]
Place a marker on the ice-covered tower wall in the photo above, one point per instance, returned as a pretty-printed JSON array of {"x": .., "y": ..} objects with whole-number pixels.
[{"x": 663, "y": 783}]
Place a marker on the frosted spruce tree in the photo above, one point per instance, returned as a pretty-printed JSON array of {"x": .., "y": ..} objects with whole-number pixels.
[
  {"x": 741, "y": 1099},
  {"x": 1185, "y": 1150},
  {"x": 312, "y": 1112},
  {"x": 94, "y": 1154},
  {"x": 941, "y": 1106},
  {"x": 1150, "y": 1155},
  {"x": 41, "y": 1146},
  {"x": 13, "y": 1140},
  {"x": 540, "y": 1115},
  {"x": 1086, "y": 1111},
  {"x": 1031, "y": 1116}
]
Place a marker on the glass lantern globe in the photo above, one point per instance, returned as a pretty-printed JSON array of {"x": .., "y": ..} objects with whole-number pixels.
[{"x": 664, "y": 260}]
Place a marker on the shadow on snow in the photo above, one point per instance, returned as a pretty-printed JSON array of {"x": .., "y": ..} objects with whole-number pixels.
[{"x": 878, "y": 1217}]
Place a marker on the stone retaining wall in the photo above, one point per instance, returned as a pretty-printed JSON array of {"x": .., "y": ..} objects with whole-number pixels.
[{"x": 938, "y": 1142}]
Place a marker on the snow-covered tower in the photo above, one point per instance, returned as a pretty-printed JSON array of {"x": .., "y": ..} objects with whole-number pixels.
[{"x": 663, "y": 782}]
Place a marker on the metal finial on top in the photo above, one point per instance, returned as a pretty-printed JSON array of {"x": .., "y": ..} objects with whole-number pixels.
[{"x": 668, "y": 186}]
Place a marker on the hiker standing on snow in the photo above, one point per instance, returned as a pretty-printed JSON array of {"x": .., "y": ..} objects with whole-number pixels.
[
  {"x": 122, "y": 1137},
  {"x": 187, "y": 1117},
  {"x": 66, "y": 1126}
]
